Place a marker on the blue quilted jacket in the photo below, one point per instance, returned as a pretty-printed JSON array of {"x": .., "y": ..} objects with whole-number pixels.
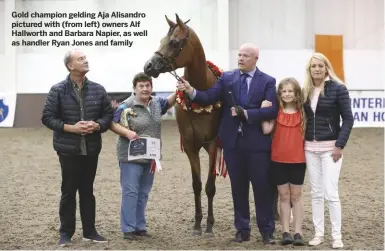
[{"x": 62, "y": 107}]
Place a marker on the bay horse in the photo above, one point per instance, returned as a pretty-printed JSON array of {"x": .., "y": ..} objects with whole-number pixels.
[{"x": 198, "y": 126}]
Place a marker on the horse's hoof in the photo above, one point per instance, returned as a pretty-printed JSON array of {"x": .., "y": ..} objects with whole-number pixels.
[
  {"x": 209, "y": 234},
  {"x": 197, "y": 232}
]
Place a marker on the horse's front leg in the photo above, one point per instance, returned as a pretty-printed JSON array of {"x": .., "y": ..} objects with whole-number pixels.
[
  {"x": 210, "y": 186},
  {"x": 193, "y": 156}
]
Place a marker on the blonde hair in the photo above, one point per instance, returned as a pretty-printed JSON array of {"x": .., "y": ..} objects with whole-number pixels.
[
  {"x": 308, "y": 85},
  {"x": 298, "y": 100}
]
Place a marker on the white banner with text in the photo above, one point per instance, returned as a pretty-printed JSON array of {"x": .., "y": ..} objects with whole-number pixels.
[{"x": 368, "y": 108}]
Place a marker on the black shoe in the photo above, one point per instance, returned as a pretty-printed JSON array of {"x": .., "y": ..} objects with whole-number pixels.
[
  {"x": 129, "y": 236},
  {"x": 241, "y": 237},
  {"x": 95, "y": 238},
  {"x": 64, "y": 241},
  {"x": 286, "y": 239},
  {"x": 268, "y": 239},
  {"x": 142, "y": 233},
  {"x": 298, "y": 241}
]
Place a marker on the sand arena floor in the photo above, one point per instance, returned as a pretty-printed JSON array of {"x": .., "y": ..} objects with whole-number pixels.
[{"x": 30, "y": 191}]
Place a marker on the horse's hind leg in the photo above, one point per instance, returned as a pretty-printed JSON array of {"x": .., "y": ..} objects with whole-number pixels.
[
  {"x": 210, "y": 186},
  {"x": 193, "y": 156}
]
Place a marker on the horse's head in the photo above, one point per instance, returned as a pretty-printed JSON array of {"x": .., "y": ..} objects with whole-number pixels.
[{"x": 174, "y": 51}]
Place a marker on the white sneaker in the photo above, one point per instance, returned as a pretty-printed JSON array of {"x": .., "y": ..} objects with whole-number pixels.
[
  {"x": 316, "y": 241},
  {"x": 337, "y": 244}
]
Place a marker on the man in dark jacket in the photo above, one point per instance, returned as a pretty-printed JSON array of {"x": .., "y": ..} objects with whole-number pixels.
[
  {"x": 78, "y": 111},
  {"x": 246, "y": 148}
]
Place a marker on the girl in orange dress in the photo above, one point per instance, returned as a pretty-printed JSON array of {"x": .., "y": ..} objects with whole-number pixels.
[{"x": 288, "y": 157}]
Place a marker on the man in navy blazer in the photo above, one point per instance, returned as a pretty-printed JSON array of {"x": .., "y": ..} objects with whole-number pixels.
[{"x": 246, "y": 148}]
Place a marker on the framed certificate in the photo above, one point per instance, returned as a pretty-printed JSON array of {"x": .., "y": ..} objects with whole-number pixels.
[{"x": 144, "y": 148}]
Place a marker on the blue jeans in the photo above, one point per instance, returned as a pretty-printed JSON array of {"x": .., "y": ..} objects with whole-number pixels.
[{"x": 136, "y": 182}]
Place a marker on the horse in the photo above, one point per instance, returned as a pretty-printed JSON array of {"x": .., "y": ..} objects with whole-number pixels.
[{"x": 198, "y": 126}]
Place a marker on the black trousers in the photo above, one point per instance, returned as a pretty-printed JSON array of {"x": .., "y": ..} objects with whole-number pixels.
[{"x": 78, "y": 174}]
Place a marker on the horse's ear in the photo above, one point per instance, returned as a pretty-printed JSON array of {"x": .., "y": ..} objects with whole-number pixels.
[
  {"x": 171, "y": 23},
  {"x": 180, "y": 22}
]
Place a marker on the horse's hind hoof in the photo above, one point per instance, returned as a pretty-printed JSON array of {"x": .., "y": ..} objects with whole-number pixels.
[
  {"x": 209, "y": 234},
  {"x": 197, "y": 232}
]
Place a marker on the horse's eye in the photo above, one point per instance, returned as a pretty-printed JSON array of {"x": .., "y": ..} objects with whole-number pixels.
[{"x": 174, "y": 43}]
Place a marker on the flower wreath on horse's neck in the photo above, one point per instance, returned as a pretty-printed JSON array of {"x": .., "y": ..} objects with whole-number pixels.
[{"x": 194, "y": 106}]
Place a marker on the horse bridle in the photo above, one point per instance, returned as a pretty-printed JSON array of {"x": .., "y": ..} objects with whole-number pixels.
[{"x": 170, "y": 61}]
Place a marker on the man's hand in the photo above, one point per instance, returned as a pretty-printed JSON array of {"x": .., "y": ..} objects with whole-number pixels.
[
  {"x": 266, "y": 103},
  {"x": 80, "y": 127},
  {"x": 185, "y": 86},
  {"x": 92, "y": 126},
  {"x": 238, "y": 111}
]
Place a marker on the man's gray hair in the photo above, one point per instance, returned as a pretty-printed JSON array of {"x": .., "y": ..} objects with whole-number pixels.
[{"x": 67, "y": 58}]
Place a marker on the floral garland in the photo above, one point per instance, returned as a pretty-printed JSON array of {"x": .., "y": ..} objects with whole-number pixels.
[{"x": 194, "y": 106}]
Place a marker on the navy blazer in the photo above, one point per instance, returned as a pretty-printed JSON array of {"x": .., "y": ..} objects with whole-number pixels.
[{"x": 262, "y": 87}]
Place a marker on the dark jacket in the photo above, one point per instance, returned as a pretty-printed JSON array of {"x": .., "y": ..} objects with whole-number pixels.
[
  {"x": 62, "y": 107},
  {"x": 325, "y": 123},
  {"x": 262, "y": 87}
]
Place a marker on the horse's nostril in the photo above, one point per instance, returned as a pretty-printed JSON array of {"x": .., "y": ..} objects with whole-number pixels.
[{"x": 148, "y": 67}]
